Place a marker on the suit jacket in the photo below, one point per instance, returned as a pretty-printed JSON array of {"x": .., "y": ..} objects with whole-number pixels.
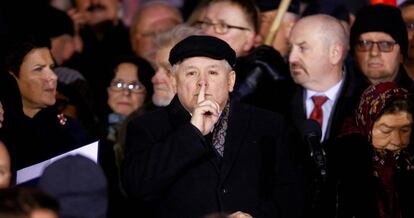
[
  {"x": 342, "y": 110},
  {"x": 345, "y": 105},
  {"x": 171, "y": 168}
]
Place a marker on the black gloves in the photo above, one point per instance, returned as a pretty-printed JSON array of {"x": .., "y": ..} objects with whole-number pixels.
[{"x": 269, "y": 61}]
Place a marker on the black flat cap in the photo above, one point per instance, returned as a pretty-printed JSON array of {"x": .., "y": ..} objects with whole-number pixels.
[{"x": 202, "y": 46}]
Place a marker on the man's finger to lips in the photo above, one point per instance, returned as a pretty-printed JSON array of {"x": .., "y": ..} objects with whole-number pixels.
[{"x": 201, "y": 94}]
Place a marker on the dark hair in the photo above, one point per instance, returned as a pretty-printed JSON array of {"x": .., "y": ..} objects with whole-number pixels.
[
  {"x": 399, "y": 105},
  {"x": 21, "y": 201},
  {"x": 19, "y": 47},
  {"x": 250, "y": 8},
  {"x": 144, "y": 73}
]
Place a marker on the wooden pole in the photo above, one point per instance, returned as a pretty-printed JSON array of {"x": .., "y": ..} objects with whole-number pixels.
[{"x": 283, "y": 6}]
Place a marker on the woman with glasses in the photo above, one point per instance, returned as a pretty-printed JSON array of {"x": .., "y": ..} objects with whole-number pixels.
[{"x": 129, "y": 90}]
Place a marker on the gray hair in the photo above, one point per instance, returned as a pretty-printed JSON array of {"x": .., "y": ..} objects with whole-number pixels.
[
  {"x": 176, "y": 34},
  {"x": 174, "y": 68}
]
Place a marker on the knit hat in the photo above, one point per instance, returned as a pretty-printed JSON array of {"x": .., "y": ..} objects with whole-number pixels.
[
  {"x": 380, "y": 18},
  {"x": 79, "y": 184},
  {"x": 202, "y": 46}
]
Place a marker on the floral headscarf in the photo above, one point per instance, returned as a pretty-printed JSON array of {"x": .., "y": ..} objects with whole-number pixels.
[{"x": 372, "y": 103}]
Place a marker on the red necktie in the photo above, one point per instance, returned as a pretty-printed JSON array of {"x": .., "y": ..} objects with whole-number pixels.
[{"x": 317, "y": 113}]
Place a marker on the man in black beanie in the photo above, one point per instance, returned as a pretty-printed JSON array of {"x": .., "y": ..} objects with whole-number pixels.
[
  {"x": 378, "y": 42},
  {"x": 205, "y": 153}
]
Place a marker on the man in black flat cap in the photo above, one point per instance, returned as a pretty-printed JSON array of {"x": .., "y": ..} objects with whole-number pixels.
[{"x": 205, "y": 153}]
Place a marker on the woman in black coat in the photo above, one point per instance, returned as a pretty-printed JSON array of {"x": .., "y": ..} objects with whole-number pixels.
[{"x": 35, "y": 131}]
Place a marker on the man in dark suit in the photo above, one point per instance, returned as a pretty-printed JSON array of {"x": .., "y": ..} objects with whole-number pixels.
[
  {"x": 327, "y": 92},
  {"x": 316, "y": 64},
  {"x": 205, "y": 153}
]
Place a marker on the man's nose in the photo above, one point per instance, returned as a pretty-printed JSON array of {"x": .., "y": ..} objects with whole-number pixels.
[
  {"x": 202, "y": 81},
  {"x": 292, "y": 57},
  {"x": 374, "y": 51},
  {"x": 157, "y": 76}
]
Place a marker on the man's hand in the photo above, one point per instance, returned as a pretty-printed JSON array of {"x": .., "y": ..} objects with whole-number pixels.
[
  {"x": 206, "y": 113},
  {"x": 240, "y": 214}
]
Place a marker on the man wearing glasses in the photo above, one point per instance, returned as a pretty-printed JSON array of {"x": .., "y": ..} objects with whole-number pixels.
[
  {"x": 262, "y": 74},
  {"x": 379, "y": 43},
  {"x": 235, "y": 22}
]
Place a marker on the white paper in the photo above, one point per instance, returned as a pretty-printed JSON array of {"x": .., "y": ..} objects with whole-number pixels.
[{"x": 31, "y": 172}]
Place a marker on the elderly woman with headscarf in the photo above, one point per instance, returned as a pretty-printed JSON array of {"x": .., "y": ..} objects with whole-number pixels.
[{"x": 370, "y": 167}]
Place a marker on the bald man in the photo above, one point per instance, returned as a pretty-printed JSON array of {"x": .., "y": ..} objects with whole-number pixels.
[{"x": 319, "y": 45}]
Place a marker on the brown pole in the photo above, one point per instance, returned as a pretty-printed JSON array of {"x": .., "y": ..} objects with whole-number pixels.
[{"x": 283, "y": 6}]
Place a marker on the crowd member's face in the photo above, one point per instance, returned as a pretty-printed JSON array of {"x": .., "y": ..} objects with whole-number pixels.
[
  {"x": 241, "y": 41},
  {"x": 37, "y": 81},
  {"x": 392, "y": 131},
  {"x": 5, "y": 171},
  {"x": 153, "y": 21},
  {"x": 376, "y": 65},
  {"x": 195, "y": 72},
  {"x": 97, "y": 11},
  {"x": 162, "y": 81},
  {"x": 120, "y": 99},
  {"x": 280, "y": 41},
  {"x": 309, "y": 56},
  {"x": 408, "y": 17}
]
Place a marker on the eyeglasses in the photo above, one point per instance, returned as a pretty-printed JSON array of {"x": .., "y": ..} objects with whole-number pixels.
[
  {"x": 383, "y": 46},
  {"x": 119, "y": 85},
  {"x": 219, "y": 28}
]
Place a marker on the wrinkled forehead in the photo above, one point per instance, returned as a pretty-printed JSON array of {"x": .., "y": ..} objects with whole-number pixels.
[{"x": 202, "y": 62}]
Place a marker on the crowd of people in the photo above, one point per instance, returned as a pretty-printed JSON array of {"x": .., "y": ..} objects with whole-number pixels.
[{"x": 204, "y": 109}]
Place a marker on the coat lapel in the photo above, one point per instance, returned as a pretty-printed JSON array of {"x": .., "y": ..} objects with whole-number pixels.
[{"x": 236, "y": 132}]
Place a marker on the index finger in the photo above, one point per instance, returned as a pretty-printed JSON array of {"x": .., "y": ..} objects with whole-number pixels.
[{"x": 201, "y": 94}]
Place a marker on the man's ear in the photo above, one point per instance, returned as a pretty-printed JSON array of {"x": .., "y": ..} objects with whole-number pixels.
[
  {"x": 231, "y": 80},
  {"x": 335, "y": 53},
  {"x": 171, "y": 76},
  {"x": 173, "y": 81}
]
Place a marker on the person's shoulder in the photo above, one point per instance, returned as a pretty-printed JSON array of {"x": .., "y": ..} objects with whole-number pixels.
[
  {"x": 154, "y": 116},
  {"x": 260, "y": 114}
]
